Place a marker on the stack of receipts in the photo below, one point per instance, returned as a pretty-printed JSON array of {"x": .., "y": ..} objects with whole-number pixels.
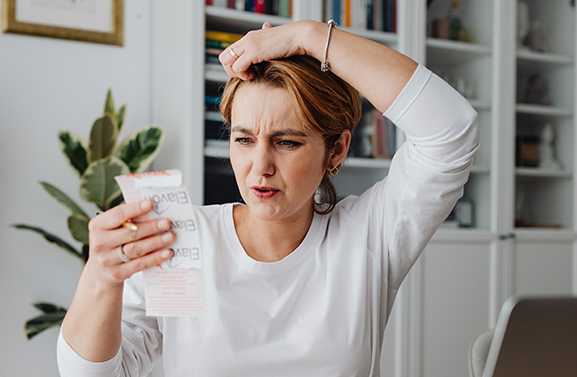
[{"x": 175, "y": 287}]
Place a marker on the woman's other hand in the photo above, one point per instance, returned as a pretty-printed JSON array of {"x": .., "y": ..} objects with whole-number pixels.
[{"x": 261, "y": 45}]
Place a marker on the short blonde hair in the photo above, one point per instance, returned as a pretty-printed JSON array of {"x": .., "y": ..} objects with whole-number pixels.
[{"x": 324, "y": 102}]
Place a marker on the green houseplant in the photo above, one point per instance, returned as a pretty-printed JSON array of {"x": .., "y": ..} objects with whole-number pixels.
[{"x": 96, "y": 162}]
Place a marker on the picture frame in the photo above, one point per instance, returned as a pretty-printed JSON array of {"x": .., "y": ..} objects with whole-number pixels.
[{"x": 97, "y": 21}]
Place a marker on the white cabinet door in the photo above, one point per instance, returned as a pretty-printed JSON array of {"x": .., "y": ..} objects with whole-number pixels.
[{"x": 455, "y": 298}]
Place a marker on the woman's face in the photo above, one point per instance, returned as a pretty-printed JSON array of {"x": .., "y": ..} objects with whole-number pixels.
[{"x": 277, "y": 167}]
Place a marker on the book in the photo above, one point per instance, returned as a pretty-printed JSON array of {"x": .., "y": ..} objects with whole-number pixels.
[
  {"x": 370, "y": 15},
  {"x": 222, "y": 36},
  {"x": 259, "y": 6},
  {"x": 337, "y": 11},
  {"x": 328, "y": 8},
  {"x": 346, "y": 9},
  {"x": 239, "y": 4},
  {"x": 211, "y": 59},
  {"x": 359, "y": 14},
  {"x": 249, "y": 5},
  {"x": 210, "y": 43},
  {"x": 284, "y": 8},
  {"x": 213, "y": 51}
]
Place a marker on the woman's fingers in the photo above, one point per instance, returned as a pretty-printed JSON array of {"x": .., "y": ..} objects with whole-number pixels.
[
  {"x": 257, "y": 46},
  {"x": 137, "y": 249},
  {"x": 125, "y": 270},
  {"x": 115, "y": 217},
  {"x": 124, "y": 235}
]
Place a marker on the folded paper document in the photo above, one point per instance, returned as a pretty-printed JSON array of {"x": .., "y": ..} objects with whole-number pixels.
[{"x": 173, "y": 288}]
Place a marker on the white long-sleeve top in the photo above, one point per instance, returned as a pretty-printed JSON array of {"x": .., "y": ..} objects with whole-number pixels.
[{"x": 322, "y": 310}]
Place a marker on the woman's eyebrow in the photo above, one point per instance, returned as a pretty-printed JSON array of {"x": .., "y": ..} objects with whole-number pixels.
[
  {"x": 283, "y": 132},
  {"x": 289, "y": 132},
  {"x": 241, "y": 130}
]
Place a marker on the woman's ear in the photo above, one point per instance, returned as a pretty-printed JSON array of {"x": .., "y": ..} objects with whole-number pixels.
[{"x": 341, "y": 148}]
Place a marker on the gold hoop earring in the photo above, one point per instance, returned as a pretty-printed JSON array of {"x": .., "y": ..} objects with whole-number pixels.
[{"x": 333, "y": 170}]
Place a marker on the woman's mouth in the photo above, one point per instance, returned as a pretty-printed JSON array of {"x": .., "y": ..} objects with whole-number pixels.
[{"x": 263, "y": 192}]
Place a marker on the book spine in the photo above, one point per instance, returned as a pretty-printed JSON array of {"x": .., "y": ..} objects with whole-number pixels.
[
  {"x": 284, "y": 8},
  {"x": 390, "y": 14},
  {"x": 370, "y": 15},
  {"x": 394, "y": 16},
  {"x": 328, "y": 8},
  {"x": 211, "y": 43},
  {"x": 337, "y": 11},
  {"x": 376, "y": 12},
  {"x": 208, "y": 2},
  {"x": 239, "y": 4},
  {"x": 222, "y": 36},
  {"x": 211, "y": 59},
  {"x": 259, "y": 6},
  {"x": 359, "y": 14},
  {"x": 274, "y": 7},
  {"x": 249, "y": 5},
  {"x": 347, "y": 13}
]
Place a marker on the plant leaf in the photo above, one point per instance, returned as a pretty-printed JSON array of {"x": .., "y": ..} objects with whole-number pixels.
[
  {"x": 102, "y": 138},
  {"x": 74, "y": 149},
  {"x": 85, "y": 252},
  {"x": 120, "y": 117},
  {"x": 140, "y": 148},
  {"x": 51, "y": 238},
  {"x": 116, "y": 201},
  {"x": 47, "y": 307},
  {"x": 62, "y": 198},
  {"x": 78, "y": 226},
  {"x": 97, "y": 184},
  {"x": 53, "y": 316},
  {"x": 109, "y": 108}
]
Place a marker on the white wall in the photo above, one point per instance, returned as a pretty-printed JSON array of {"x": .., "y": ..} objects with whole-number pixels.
[{"x": 46, "y": 85}]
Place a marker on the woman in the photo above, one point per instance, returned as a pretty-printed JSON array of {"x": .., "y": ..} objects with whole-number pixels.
[{"x": 295, "y": 284}]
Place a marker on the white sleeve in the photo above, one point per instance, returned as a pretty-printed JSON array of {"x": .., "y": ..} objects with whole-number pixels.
[
  {"x": 141, "y": 342},
  {"x": 426, "y": 176}
]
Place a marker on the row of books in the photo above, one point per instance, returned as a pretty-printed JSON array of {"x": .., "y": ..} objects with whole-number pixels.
[
  {"x": 214, "y": 124},
  {"x": 282, "y": 8},
  {"x": 379, "y": 15},
  {"x": 215, "y": 43},
  {"x": 374, "y": 136}
]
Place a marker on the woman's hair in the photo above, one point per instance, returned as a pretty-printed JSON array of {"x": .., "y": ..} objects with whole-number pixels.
[{"x": 324, "y": 102}]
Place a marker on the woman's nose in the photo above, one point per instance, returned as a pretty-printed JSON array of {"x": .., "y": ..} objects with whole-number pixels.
[{"x": 263, "y": 163}]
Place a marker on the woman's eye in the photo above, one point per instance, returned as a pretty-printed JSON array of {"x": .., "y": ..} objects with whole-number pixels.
[
  {"x": 242, "y": 140},
  {"x": 289, "y": 143}
]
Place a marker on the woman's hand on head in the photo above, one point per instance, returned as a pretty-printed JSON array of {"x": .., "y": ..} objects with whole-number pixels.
[
  {"x": 145, "y": 247},
  {"x": 257, "y": 46}
]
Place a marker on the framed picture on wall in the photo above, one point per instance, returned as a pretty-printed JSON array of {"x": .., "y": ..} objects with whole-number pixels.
[{"x": 98, "y": 21}]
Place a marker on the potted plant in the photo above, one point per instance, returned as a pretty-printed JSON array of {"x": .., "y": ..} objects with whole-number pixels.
[{"x": 96, "y": 162}]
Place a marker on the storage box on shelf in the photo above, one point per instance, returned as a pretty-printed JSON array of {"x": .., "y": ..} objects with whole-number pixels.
[{"x": 545, "y": 113}]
